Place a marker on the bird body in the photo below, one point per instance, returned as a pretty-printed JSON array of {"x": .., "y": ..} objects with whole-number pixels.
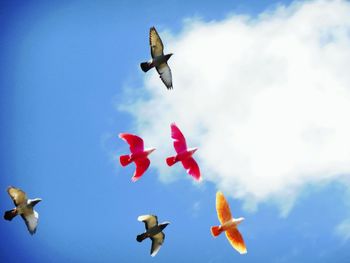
[
  {"x": 154, "y": 231},
  {"x": 183, "y": 154},
  {"x": 159, "y": 60},
  {"x": 138, "y": 155},
  {"x": 155, "y": 62},
  {"x": 24, "y": 208},
  {"x": 232, "y": 223},
  {"x": 228, "y": 224}
]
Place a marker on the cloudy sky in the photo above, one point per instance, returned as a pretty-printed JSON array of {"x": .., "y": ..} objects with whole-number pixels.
[{"x": 260, "y": 87}]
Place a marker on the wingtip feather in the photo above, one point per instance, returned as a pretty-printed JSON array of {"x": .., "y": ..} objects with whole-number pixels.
[{"x": 135, "y": 179}]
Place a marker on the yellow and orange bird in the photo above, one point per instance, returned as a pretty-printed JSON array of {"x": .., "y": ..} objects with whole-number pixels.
[{"x": 228, "y": 224}]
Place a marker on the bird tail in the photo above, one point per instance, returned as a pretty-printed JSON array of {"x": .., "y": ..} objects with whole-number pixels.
[
  {"x": 125, "y": 160},
  {"x": 141, "y": 237},
  {"x": 146, "y": 66},
  {"x": 171, "y": 160},
  {"x": 9, "y": 215},
  {"x": 216, "y": 230}
]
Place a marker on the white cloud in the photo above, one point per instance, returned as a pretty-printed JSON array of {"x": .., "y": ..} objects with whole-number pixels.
[
  {"x": 343, "y": 229},
  {"x": 266, "y": 100}
]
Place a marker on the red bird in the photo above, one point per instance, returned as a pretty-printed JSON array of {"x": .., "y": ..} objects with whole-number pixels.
[
  {"x": 138, "y": 155},
  {"x": 184, "y": 154}
]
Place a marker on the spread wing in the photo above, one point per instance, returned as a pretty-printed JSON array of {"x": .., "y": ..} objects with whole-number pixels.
[
  {"x": 149, "y": 220},
  {"x": 179, "y": 139},
  {"x": 141, "y": 166},
  {"x": 135, "y": 142},
  {"x": 165, "y": 75},
  {"x": 192, "y": 168},
  {"x": 222, "y": 208},
  {"x": 155, "y": 43},
  {"x": 236, "y": 240},
  {"x": 157, "y": 241},
  {"x": 31, "y": 218},
  {"x": 17, "y": 195}
]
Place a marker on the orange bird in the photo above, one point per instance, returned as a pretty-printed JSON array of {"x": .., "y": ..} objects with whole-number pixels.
[{"x": 228, "y": 224}]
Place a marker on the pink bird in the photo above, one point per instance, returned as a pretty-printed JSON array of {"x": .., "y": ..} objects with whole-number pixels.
[
  {"x": 138, "y": 155},
  {"x": 184, "y": 155}
]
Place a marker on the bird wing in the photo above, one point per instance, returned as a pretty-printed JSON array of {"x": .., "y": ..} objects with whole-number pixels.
[
  {"x": 179, "y": 139},
  {"x": 236, "y": 240},
  {"x": 222, "y": 208},
  {"x": 157, "y": 241},
  {"x": 149, "y": 220},
  {"x": 165, "y": 75},
  {"x": 141, "y": 166},
  {"x": 192, "y": 168},
  {"x": 31, "y": 218},
  {"x": 17, "y": 195},
  {"x": 155, "y": 42},
  {"x": 135, "y": 142}
]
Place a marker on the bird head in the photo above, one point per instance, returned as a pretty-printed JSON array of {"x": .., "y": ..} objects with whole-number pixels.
[
  {"x": 167, "y": 56},
  {"x": 239, "y": 220},
  {"x": 164, "y": 225},
  {"x": 149, "y": 151},
  {"x": 33, "y": 202},
  {"x": 193, "y": 150}
]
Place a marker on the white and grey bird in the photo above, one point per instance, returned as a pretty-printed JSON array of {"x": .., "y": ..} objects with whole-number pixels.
[
  {"x": 24, "y": 208},
  {"x": 159, "y": 60},
  {"x": 153, "y": 231}
]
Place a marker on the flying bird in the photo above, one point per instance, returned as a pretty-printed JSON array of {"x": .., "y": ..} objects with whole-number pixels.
[
  {"x": 24, "y": 208},
  {"x": 159, "y": 60},
  {"x": 184, "y": 154},
  {"x": 228, "y": 224},
  {"x": 153, "y": 231},
  {"x": 138, "y": 155}
]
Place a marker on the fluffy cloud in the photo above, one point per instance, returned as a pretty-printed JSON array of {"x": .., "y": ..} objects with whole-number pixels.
[
  {"x": 343, "y": 229},
  {"x": 266, "y": 99}
]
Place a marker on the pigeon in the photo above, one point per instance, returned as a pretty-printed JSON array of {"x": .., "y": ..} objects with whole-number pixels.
[
  {"x": 153, "y": 231},
  {"x": 159, "y": 60},
  {"x": 24, "y": 207},
  {"x": 138, "y": 155},
  {"x": 228, "y": 224},
  {"x": 183, "y": 153}
]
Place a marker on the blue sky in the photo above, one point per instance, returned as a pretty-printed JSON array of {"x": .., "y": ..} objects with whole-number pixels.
[{"x": 67, "y": 69}]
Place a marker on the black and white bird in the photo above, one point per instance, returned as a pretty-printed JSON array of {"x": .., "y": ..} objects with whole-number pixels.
[
  {"x": 153, "y": 231},
  {"x": 159, "y": 60},
  {"x": 24, "y": 208}
]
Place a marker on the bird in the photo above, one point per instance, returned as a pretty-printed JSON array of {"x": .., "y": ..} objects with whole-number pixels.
[
  {"x": 184, "y": 154},
  {"x": 153, "y": 231},
  {"x": 24, "y": 208},
  {"x": 159, "y": 60},
  {"x": 228, "y": 224},
  {"x": 138, "y": 155}
]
